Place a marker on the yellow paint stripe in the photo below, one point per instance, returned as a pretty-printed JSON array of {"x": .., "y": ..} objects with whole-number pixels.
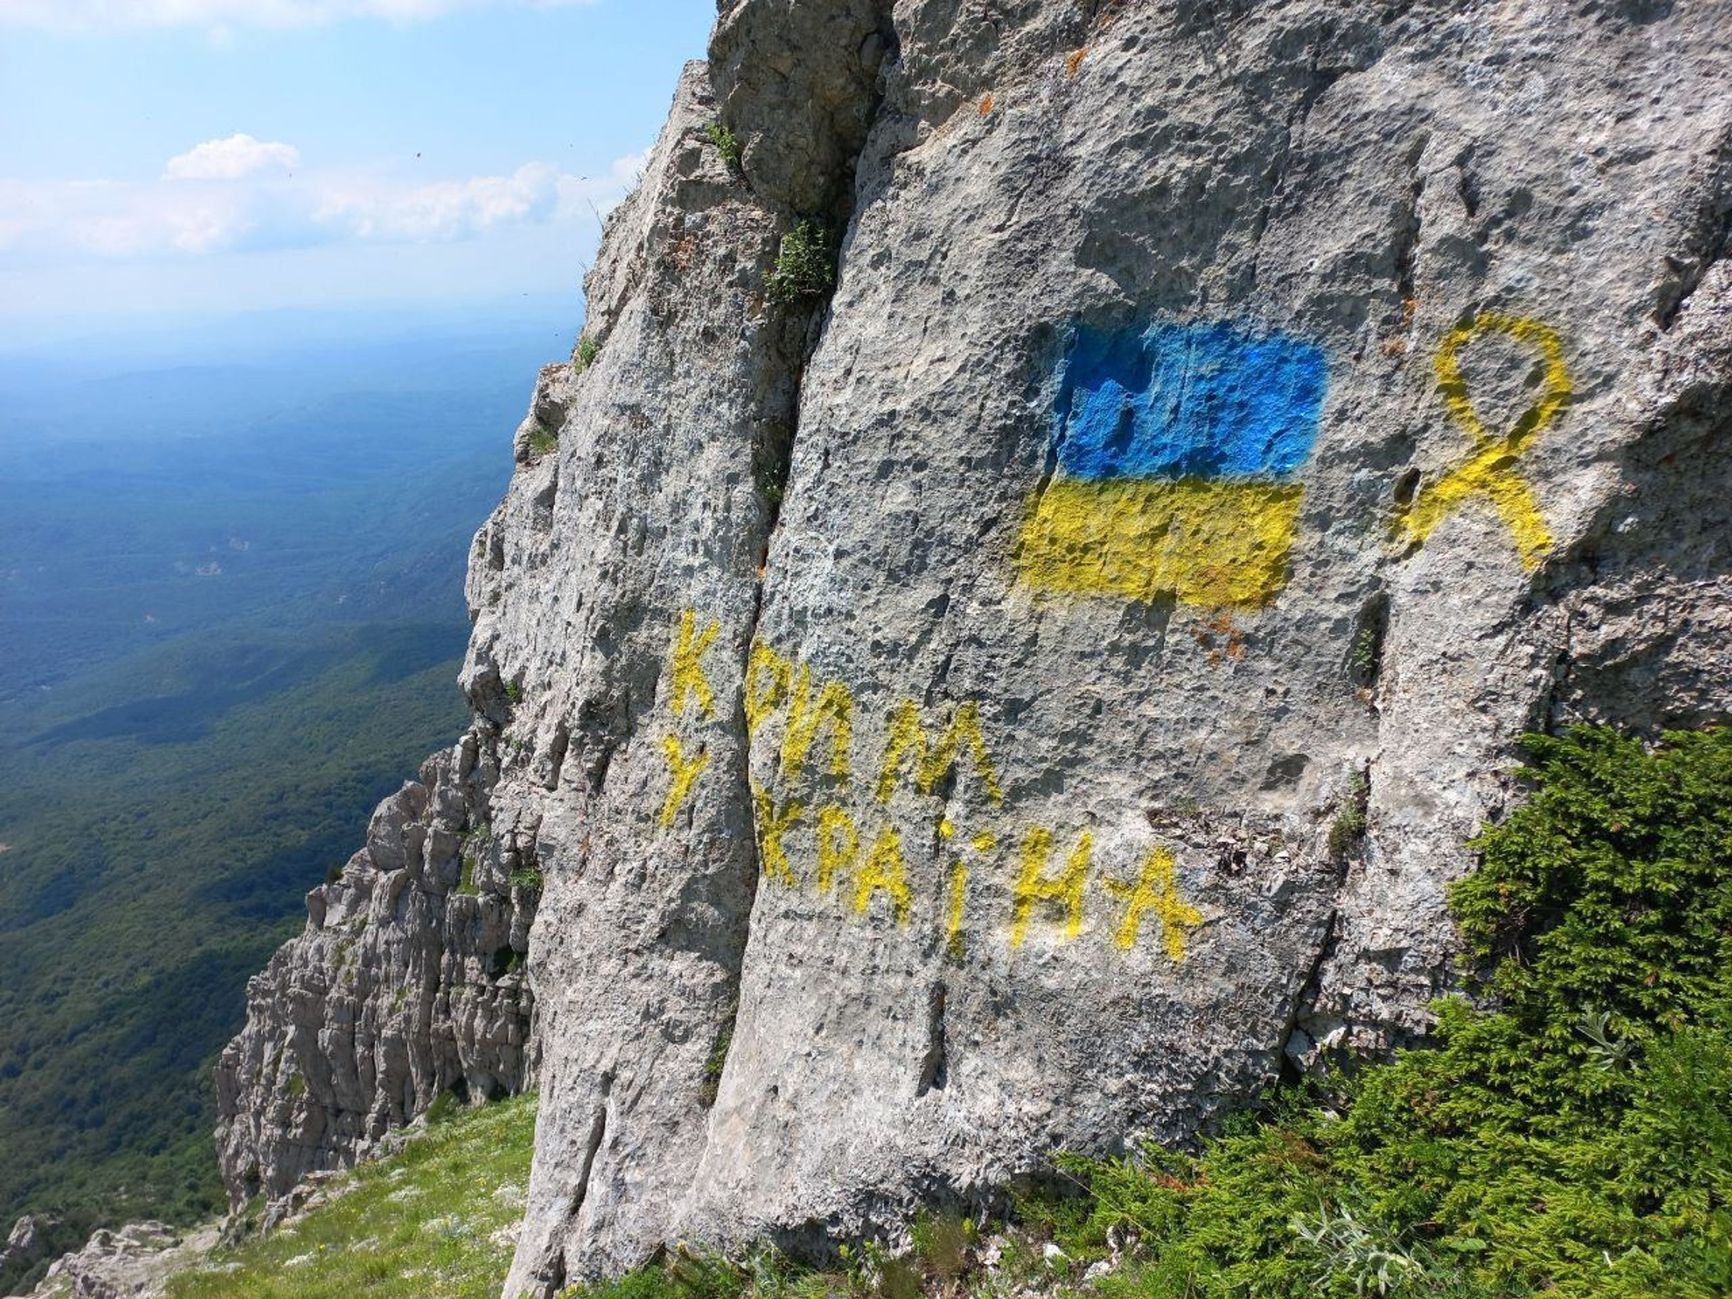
[{"x": 1217, "y": 544}]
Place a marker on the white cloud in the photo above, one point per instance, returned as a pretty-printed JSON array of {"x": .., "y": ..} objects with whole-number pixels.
[
  {"x": 238, "y": 195},
  {"x": 443, "y": 210},
  {"x": 231, "y": 159},
  {"x": 110, "y": 15}
]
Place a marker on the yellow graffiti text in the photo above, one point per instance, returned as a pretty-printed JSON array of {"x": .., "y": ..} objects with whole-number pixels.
[
  {"x": 834, "y": 706},
  {"x": 1157, "y": 891},
  {"x": 1034, "y": 885},
  {"x": 885, "y": 869},
  {"x": 1219, "y": 544},
  {"x": 1490, "y": 469},
  {"x": 908, "y": 739},
  {"x": 838, "y": 846},
  {"x": 953, "y": 907},
  {"x": 956, "y": 898},
  {"x": 771, "y": 827},
  {"x": 768, "y": 676},
  {"x": 688, "y": 668},
  {"x": 684, "y": 772}
]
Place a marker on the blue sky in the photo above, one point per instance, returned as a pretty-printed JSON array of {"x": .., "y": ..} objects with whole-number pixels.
[{"x": 173, "y": 156}]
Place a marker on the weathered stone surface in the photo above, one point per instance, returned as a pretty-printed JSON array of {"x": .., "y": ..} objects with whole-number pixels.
[
  {"x": 408, "y": 982},
  {"x": 134, "y": 1262},
  {"x": 26, "y": 1245},
  {"x": 1036, "y": 695}
]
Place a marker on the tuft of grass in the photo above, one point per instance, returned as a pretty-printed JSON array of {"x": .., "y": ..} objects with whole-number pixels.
[
  {"x": 542, "y": 441},
  {"x": 717, "y": 1060},
  {"x": 805, "y": 265},
  {"x": 446, "y": 1106},
  {"x": 528, "y": 878},
  {"x": 727, "y": 144},
  {"x": 1363, "y": 658},
  {"x": 588, "y": 348},
  {"x": 430, "y": 1221},
  {"x": 473, "y": 845}
]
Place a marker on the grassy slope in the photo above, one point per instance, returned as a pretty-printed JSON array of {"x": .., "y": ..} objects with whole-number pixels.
[{"x": 430, "y": 1223}]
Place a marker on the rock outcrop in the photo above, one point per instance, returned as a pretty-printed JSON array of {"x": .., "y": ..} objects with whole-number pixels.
[
  {"x": 134, "y": 1262},
  {"x": 1038, "y": 692},
  {"x": 26, "y": 1245},
  {"x": 407, "y": 983}
]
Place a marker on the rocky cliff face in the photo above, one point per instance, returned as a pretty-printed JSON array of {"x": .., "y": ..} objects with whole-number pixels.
[
  {"x": 1037, "y": 693},
  {"x": 407, "y": 983}
]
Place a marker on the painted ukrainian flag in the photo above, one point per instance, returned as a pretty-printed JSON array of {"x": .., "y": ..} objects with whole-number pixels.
[{"x": 1177, "y": 453}]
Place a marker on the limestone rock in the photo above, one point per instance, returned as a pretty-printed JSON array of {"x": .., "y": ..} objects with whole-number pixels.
[
  {"x": 134, "y": 1262},
  {"x": 25, "y": 1245},
  {"x": 407, "y": 983}
]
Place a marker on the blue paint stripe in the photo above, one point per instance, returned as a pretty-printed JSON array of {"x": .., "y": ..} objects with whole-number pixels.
[{"x": 1206, "y": 400}]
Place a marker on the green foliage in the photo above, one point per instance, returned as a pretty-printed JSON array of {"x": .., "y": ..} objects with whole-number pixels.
[
  {"x": 588, "y": 348},
  {"x": 805, "y": 265},
  {"x": 542, "y": 441},
  {"x": 1348, "y": 827},
  {"x": 426, "y": 1222},
  {"x": 772, "y": 483},
  {"x": 445, "y": 1106},
  {"x": 528, "y": 878},
  {"x": 941, "y": 1260},
  {"x": 1363, "y": 659},
  {"x": 1575, "y": 1139},
  {"x": 727, "y": 144},
  {"x": 514, "y": 692}
]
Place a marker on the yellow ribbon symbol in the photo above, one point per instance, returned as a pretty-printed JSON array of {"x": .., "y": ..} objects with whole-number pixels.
[{"x": 1491, "y": 470}]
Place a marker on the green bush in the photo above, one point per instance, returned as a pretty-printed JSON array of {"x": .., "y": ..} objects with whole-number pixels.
[
  {"x": 1573, "y": 1139},
  {"x": 805, "y": 265},
  {"x": 1348, "y": 829},
  {"x": 588, "y": 348},
  {"x": 727, "y": 144}
]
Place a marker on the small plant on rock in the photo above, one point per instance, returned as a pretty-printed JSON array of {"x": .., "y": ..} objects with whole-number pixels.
[
  {"x": 1350, "y": 822},
  {"x": 588, "y": 349},
  {"x": 541, "y": 442},
  {"x": 727, "y": 144},
  {"x": 805, "y": 265}
]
